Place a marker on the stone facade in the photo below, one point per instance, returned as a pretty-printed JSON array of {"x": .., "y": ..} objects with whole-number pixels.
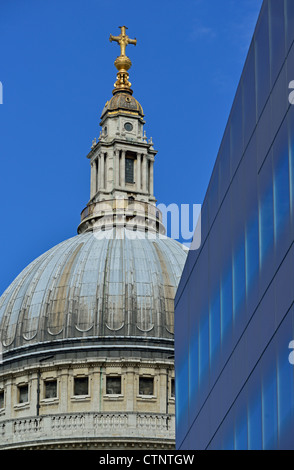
[{"x": 95, "y": 417}]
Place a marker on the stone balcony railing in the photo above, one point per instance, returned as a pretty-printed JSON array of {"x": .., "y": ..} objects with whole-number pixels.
[{"x": 92, "y": 427}]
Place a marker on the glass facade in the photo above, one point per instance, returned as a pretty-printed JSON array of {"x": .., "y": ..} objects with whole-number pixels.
[{"x": 234, "y": 309}]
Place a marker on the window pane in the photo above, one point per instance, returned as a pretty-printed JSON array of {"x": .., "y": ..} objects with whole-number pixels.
[
  {"x": 172, "y": 392},
  {"x": 241, "y": 441},
  {"x": 239, "y": 282},
  {"x": 23, "y": 393},
  {"x": 252, "y": 253},
  {"x": 81, "y": 386},
  {"x": 290, "y": 22},
  {"x": 226, "y": 304},
  {"x": 51, "y": 389},
  {"x": 291, "y": 156},
  {"x": 285, "y": 390},
  {"x": 266, "y": 225},
  {"x": 281, "y": 183},
  {"x": 203, "y": 347},
  {"x": 215, "y": 327},
  {"x": 228, "y": 433},
  {"x": 193, "y": 363},
  {"x": 182, "y": 370},
  {"x": 277, "y": 37},
  {"x": 2, "y": 399},
  {"x": 269, "y": 412},
  {"x": 113, "y": 385},
  {"x": 254, "y": 422},
  {"x": 146, "y": 386},
  {"x": 262, "y": 61},
  {"x": 229, "y": 441},
  {"x": 129, "y": 170}
]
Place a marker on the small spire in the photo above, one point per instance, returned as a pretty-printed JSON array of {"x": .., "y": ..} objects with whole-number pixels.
[{"x": 122, "y": 63}]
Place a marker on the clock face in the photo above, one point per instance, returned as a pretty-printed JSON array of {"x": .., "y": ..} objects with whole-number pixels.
[{"x": 128, "y": 126}]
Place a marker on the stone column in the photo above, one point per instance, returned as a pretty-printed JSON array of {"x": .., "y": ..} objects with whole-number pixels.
[
  {"x": 65, "y": 392},
  {"x": 97, "y": 174},
  {"x": 116, "y": 166},
  {"x": 138, "y": 171},
  {"x": 95, "y": 391},
  {"x": 130, "y": 389},
  {"x": 144, "y": 173},
  {"x": 162, "y": 390},
  {"x": 9, "y": 398},
  {"x": 33, "y": 392},
  {"x": 92, "y": 179},
  {"x": 101, "y": 166},
  {"x": 106, "y": 164},
  {"x": 151, "y": 178},
  {"x": 122, "y": 169}
]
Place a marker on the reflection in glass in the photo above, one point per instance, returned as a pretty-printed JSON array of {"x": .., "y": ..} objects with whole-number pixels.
[
  {"x": 229, "y": 443},
  {"x": 193, "y": 365},
  {"x": 239, "y": 282},
  {"x": 254, "y": 423},
  {"x": 203, "y": 347},
  {"x": 269, "y": 412},
  {"x": 182, "y": 371},
  {"x": 215, "y": 327},
  {"x": 281, "y": 194},
  {"x": 266, "y": 224},
  {"x": 226, "y": 303},
  {"x": 252, "y": 253},
  {"x": 241, "y": 439},
  {"x": 182, "y": 395},
  {"x": 285, "y": 391},
  {"x": 262, "y": 421},
  {"x": 291, "y": 156}
]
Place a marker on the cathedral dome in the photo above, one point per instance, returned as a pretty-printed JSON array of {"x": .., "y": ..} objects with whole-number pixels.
[
  {"x": 125, "y": 102},
  {"x": 97, "y": 287},
  {"x": 87, "y": 329}
]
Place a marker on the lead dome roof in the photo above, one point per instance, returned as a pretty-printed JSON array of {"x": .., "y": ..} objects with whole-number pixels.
[
  {"x": 125, "y": 102},
  {"x": 94, "y": 286}
]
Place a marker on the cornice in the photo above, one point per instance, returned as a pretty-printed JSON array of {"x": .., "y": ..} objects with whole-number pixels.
[
  {"x": 88, "y": 363},
  {"x": 124, "y": 145}
]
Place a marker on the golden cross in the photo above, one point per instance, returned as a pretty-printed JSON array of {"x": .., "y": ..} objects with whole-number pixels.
[{"x": 123, "y": 40}]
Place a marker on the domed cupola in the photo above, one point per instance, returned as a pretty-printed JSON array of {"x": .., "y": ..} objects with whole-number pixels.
[
  {"x": 106, "y": 290},
  {"x": 124, "y": 103},
  {"x": 122, "y": 161}
]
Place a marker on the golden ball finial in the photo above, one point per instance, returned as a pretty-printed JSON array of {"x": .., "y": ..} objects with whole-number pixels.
[{"x": 122, "y": 63}]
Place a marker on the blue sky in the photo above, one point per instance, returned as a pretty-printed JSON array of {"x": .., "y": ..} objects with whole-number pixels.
[{"x": 57, "y": 72}]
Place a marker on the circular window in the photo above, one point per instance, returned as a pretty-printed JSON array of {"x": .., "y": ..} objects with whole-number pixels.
[{"x": 128, "y": 126}]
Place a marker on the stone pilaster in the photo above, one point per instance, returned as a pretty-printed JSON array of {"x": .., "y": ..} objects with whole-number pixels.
[{"x": 138, "y": 172}]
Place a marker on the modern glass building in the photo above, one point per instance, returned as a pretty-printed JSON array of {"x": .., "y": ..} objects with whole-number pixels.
[{"x": 234, "y": 309}]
